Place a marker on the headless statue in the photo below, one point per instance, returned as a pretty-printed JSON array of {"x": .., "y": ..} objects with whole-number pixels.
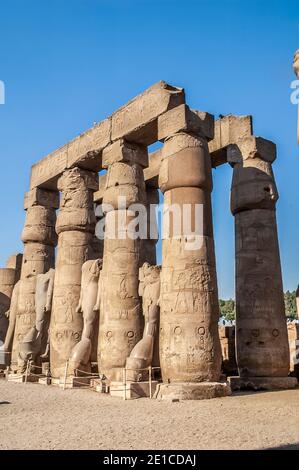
[
  {"x": 89, "y": 306},
  {"x": 142, "y": 354},
  {"x": 12, "y": 315},
  {"x": 36, "y": 342}
]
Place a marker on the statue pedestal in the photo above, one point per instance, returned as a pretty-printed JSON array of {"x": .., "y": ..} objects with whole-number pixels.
[
  {"x": 262, "y": 383},
  {"x": 192, "y": 391},
  {"x": 21, "y": 378},
  {"x": 71, "y": 382},
  {"x": 44, "y": 380},
  {"x": 133, "y": 390}
]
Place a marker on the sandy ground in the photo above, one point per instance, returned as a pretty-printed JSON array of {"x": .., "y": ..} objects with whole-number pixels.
[{"x": 35, "y": 416}]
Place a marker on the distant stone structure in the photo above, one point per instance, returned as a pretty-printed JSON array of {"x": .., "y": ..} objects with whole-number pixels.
[{"x": 111, "y": 306}]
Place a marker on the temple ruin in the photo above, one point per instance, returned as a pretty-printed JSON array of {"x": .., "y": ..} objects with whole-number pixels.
[{"x": 99, "y": 311}]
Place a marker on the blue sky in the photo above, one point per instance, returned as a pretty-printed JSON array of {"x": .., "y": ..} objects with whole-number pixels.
[{"x": 66, "y": 64}]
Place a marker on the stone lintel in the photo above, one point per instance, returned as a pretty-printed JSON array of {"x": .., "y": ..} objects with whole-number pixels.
[
  {"x": 228, "y": 130},
  {"x": 137, "y": 121},
  {"x": 262, "y": 383},
  {"x": 126, "y": 152},
  {"x": 251, "y": 147},
  {"x": 41, "y": 197},
  {"x": 183, "y": 119}
]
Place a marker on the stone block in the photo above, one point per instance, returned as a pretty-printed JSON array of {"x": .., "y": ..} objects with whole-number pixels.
[
  {"x": 192, "y": 391},
  {"x": 183, "y": 119},
  {"x": 44, "y": 380},
  {"x": 262, "y": 383},
  {"x": 251, "y": 147},
  {"x": 138, "y": 119},
  {"x": 41, "y": 197},
  {"x": 122, "y": 151},
  {"x": 15, "y": 261},
  {"x": 46, "y": 171},
  {"x": 133, "y": 389}
]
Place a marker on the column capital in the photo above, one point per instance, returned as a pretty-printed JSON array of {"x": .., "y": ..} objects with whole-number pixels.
[{"x": 41, "y": 197}]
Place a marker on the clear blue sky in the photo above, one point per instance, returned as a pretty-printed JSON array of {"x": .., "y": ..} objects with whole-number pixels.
[{"x": 67, "y": 64}]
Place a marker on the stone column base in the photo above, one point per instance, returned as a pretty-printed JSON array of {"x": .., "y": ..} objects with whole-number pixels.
[
  {"x": 44, "y": 380},
  {"x": 192, "y": 390},
  {"x": 262, "y": 383}
]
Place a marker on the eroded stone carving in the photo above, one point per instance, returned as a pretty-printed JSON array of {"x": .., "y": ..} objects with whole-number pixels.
[
  {"x": 89, "y": 307},
  {"x": 35, "y": 343},
  {"x": 142, "y": 354}
]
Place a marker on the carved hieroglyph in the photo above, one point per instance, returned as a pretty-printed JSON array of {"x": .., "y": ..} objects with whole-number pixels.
[
  {"x": 121, "y": 321},
  {"x": 261, "y": 333},
  {"x": 75, "y": 228},
  {"x": 39, "y": 238},
  {"x": 89, "y": 307},
  {"x": 189, "y": 340},
  {"x": 35, "y": 344},
  {"x": 142, "y": 354}
]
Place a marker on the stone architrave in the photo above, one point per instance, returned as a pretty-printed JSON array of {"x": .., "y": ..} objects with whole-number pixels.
[
  {"x": 190, "y": 353},
  {"x": 121, "y": 321},
  {"x": 89, "y": 307},
  {"x": 262, "y": 349},
  {"x": 75, "y": 228},
  {"x": 39, "y": 238}
]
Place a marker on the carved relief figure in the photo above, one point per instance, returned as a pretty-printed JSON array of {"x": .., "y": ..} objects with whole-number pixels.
[
  {"x": 89, "y": 306},
  {"x": 36, "y": 342},
  {"x": 149, "y": 289}
]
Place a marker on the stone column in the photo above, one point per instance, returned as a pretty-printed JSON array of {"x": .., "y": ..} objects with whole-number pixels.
[
  {"x": 121, "y": 320},
  {"x": 297, "y": 302},
  {"x": 190, "y": 353},
  {"x": 75, "y": 228},
  {"x": 262, "y": 348},
  {"x": 39, "y": 238}
]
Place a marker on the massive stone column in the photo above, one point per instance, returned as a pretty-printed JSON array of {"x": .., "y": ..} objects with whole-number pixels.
[
  {"x": 190, "y": 353},
  {"x": 121, "y": 320},
  {"x": 262, "y": 348},
  {"x": 75, "y": 228},
  {"x": 39, "y": 238}
]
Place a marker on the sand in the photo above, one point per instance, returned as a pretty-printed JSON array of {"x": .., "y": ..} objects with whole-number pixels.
[{"x": 34, "y": 416}]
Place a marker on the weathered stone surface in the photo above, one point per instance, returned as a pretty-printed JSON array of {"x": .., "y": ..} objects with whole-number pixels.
[
  {"x": 12, "y": 315},
  {"x": 189, "y": 340},
  {"x": 133, "y": 389},
  {"x": 297, "y": 301},
  {"x": 142, "y": 354},
  {"x": 15, "y": 262},
  {"x": 183, "y": 119},
  {"x": 75, "y": 227},
  {"x": 192, "y": 391},
  {"x": 261, "y": 333},
  {"x": 228, "y": 130},
  {"x": 41, "y": 197},
  {"x": 138, "y": 119},
  {"x": 262, "y": 383},
  {"x": 46, "y": 171},
  {"x": 126, "y": 152},
  {"x": 251, "y": 147}
]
